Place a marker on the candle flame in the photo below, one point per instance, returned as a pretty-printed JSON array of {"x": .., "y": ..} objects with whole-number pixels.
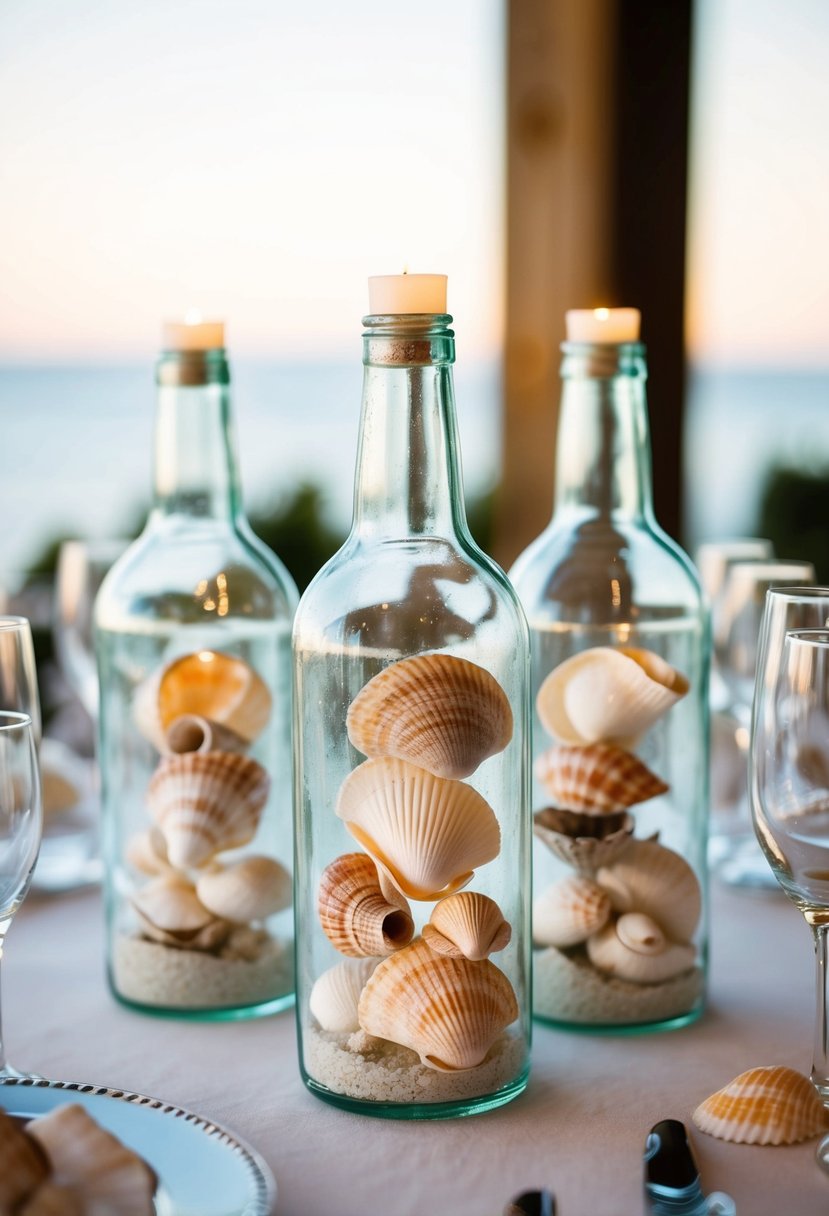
[
  {"x": 601, "y": 314},
  {"x": 193, "y": 317}
]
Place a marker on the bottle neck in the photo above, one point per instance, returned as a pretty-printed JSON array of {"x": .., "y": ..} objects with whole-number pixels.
[
  {"x": 408, "y": 480},
  {"x": 603, "y": 461},
  {"x": 195, "y": 456}
]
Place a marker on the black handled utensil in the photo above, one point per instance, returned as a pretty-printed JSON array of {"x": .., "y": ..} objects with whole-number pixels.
[
  {"x": 532, "y": 1203},
  {"x": 672, "y": 1181}
]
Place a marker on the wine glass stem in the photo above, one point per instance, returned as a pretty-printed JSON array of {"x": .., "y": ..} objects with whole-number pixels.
[
  {"x": 820, "y": 1057},
  {"x": 3, "y": 1066}
]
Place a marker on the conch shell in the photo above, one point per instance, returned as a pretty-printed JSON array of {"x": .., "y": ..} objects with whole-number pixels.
[
  {"x": 427, "y": 834},
  {"x": 467, "y": 925},
  {"x": 448, "y": 1010},
  {"x": 439, "y": 712},
  {"x": 604, "y": 695},
  {"x": 170, "y": 912},
  {"x": 569, "y": 911},
  {"x": 357, "y": 917},
  {"x": 770, "y": 1105},
  {"x": 192, "y": 733},
  {"x": 596, "y": 777},
  {"x": 582, "y": 840},
  {"x": 250, "y": 889},
  {"x": 653, "y": 879},
  {"x": 336, "y": 994},
  {"x": 638, "y": 952}
]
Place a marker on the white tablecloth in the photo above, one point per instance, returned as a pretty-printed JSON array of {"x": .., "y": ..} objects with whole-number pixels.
[{"x": 579, "y": 1129}]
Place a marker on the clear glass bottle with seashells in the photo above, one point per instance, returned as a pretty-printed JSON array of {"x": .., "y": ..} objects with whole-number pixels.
[
  {"x": 411, "y": 751},
  {"x": 620, "y": 656},
  {"x": 193, "y": 628}
]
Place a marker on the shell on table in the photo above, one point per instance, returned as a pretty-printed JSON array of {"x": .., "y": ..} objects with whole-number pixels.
[
  {"x": 205, "y": 802},
  {"x": 608, "y": 952},
  {"x": 335, "y": 996},
  {"x": 93, "y": 1163},
  {"x": 170, "y": 912},
  {"x": 596, "y": 777},
  {"x": 357, "y": 917},
  {"x": 426, "y": 834},
  {"x": 247, "y": 890},
  {"x": 651, "y": 878},
  {"x": 607, "y": 695},
  {"x": 467, "y": 925},
  {"x": 767, "y": 1105},
  {"x": 569, "y": 911},
  {"x": 212, "y": 685},
  {"x": 147, "y": 852},
  {"x": 193, "y": 733},
  {"x": 584, "y": 841},
  {"x": 23, "y": 1165},
  {"x": 440, "y": 712},
  {"x": 448, "y": 1010}
]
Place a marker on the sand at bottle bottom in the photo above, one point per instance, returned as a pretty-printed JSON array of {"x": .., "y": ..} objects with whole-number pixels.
[
  {"x": 375, "y": 1070},
  {"x": 251, "y": 967},
  {"x": 567, "y": 988}
]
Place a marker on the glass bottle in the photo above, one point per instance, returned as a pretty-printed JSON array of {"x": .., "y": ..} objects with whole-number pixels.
[
  {"x": 411, "y": 750},
  {"x": 193, "y": 646},
  {"x": 620, "y": 658}
]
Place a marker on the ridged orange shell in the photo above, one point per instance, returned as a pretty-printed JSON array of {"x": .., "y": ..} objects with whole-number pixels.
[
  {"x": 597, "y": 777},
  {"x": 442, "y": 713},
  {"x": 467, "y": 925},
  {"x": 768, "y": 1105},
  {"x": 569, "y": 911},
  {"x": 355, "y": 915}
]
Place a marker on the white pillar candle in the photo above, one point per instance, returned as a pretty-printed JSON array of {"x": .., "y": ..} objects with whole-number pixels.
[
  {"x": 406, "y": 293},
  {"x": 193, "y": 334},
  {"x": 603, "y": 324}
]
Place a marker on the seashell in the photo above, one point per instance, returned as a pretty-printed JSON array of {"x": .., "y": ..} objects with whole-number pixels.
[
  {"x": 608, "y": 953},
  {"x": 336, "y": 994},
  {"x": 467, "y": 925},
  {"x": 205, "y": 802},
  {"x": 147, "y": 852},
  {"x": 170, "y": 912},
  {"x": 208, "y": 683},
  {"x": 357, "y": 917},
  {"x": 426, "y": 834},
  {"x": 448, "y": 1010},
  {"x": 251, "y": 889},
  {"x": 768, "y": 1105},
  {"x": 597, "y": 777},
  {"x": 581, "y": 840},
  {"x": 192, "y": 733},
  {"x": 23, "y": 1165},
  {"x": 51, "y": 1200},
  {"x": 640, "y": 933},
  {"x": 569, "y": 911},
  {"x": 653, "y": 879},
  {"x": 108, "y": 1176},
  {"x": 439, "y": 712},
  {"x": 605, "y": 695}
]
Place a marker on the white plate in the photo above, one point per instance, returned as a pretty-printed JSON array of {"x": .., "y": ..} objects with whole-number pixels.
[{"x": 203, "y": 1170}]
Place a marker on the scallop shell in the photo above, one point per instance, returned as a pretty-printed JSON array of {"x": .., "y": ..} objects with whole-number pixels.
[
  {"x": 205, "y": 802},
  {"x": 208, "y": 683},
  {"x": 192, "y": 733},
  {"x": 584, "y": 841},
  {"x": 170, "y": 912},
  {"x": 427, "y": 834},
  {"x": 769, "y": 1105},
  {"x": 251, "y": 889},
  {"x": 608, "y": 953},
  {"x": 336, "y": 994},
  {"x": 467, "y": 925},
  {"x": 147, "y": 852},
  {"x": 602, "y": 695},
  {"x": 51, "y": 1200},
  {"x": 653, "y": 879},
  {"x": 357, "y": 918},
  {"x": 597, "y": 777},
  {"x": 569, "y": 911},
  {"x": 448, "y": 1010},
  {"x": 439, "y": 712},
  {"x": 23, "y": 1165},
  {"x": 94, "y": 1164}
]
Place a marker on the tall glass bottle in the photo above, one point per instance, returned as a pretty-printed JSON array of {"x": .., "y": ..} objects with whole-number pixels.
[
  {"x": 193, "y": 644},
  {"x": 620, "y": 656},
  {"x": 411, "y": 752}
]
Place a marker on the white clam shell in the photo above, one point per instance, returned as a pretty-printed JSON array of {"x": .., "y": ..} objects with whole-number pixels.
[
  {"x": 147, "y": 852},
  {"x": 596, "y": 777},
  {"x": 569, "y": 911},
  {"x": 192, "y": 733},
  {"x": 336, "y": 994},
  {"x": 170, "y": 912},
  {"x": 584, "y": 841},
  {"x": 650, "y": 878},
  {"x": 609, "y": 953},
  {"x": 604, "y": 695},
  {"x": 467, "y": 925},
  {"x": 426, "y": 834},
  {"x": 247, "y": 890}
]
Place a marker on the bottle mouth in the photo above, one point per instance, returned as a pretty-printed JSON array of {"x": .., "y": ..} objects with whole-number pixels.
[
  {"x": 603, "y": 359},
  {"x": 408, "y": 339},
  {"x": 191, "y": 368}
]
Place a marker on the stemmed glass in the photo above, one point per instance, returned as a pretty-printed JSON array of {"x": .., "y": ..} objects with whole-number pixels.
[
  {"x": 82, "y": 566},
  {"x": 21, "y": 821}
]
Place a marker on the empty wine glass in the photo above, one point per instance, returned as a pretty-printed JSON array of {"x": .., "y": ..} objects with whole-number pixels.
[
  {"x": 20, "y": 828},
  {"x": 81, "y": 568}
]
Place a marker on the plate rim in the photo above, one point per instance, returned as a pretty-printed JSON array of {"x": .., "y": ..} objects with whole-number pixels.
[{"x": 260, "y": 1204}]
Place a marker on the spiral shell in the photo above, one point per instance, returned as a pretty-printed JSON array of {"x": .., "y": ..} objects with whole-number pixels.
[
  {"x": 170, "y": 912},
  {"x": 584, "y": 841},
  {"x": 247, "y": 890},
  {"x": 609, "y": 953},
  {"x": 192, "y": 733},
  {"x": 597, "y": 777},
  {"x": 653, "y": 879},
  {"x": 356, "y": 916},
  {"x": 439, "y": 712},
  {"x": 336, "y": 994},
  {"x": 768, "y": 1105},
  {"x": 569, "y": 911},
  {"x": 467, "y": 925}
]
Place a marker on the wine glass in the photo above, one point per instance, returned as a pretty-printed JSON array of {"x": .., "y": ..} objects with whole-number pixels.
[
  {"x": 21, "y": 820},
  {"x": 81, "y": 568}
]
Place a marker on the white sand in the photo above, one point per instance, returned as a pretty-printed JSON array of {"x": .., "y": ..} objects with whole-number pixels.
[
  {"x": 567, "y": 988},
  {"x": 251, "y": 967},
  {"x": 375, "y": 1070}
]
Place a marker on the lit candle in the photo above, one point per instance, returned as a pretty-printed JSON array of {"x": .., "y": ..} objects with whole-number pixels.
[
  {"x": 193, "y": 334},
  {"x": 603, "y": 324},
  {"x": 406, "y": 293}
]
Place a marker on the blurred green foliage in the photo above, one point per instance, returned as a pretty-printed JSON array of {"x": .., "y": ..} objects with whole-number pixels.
[{"x": 794, "y": 515}]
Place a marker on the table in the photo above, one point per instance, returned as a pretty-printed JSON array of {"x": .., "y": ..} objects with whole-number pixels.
[{"x": 579, "y": 1129}]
